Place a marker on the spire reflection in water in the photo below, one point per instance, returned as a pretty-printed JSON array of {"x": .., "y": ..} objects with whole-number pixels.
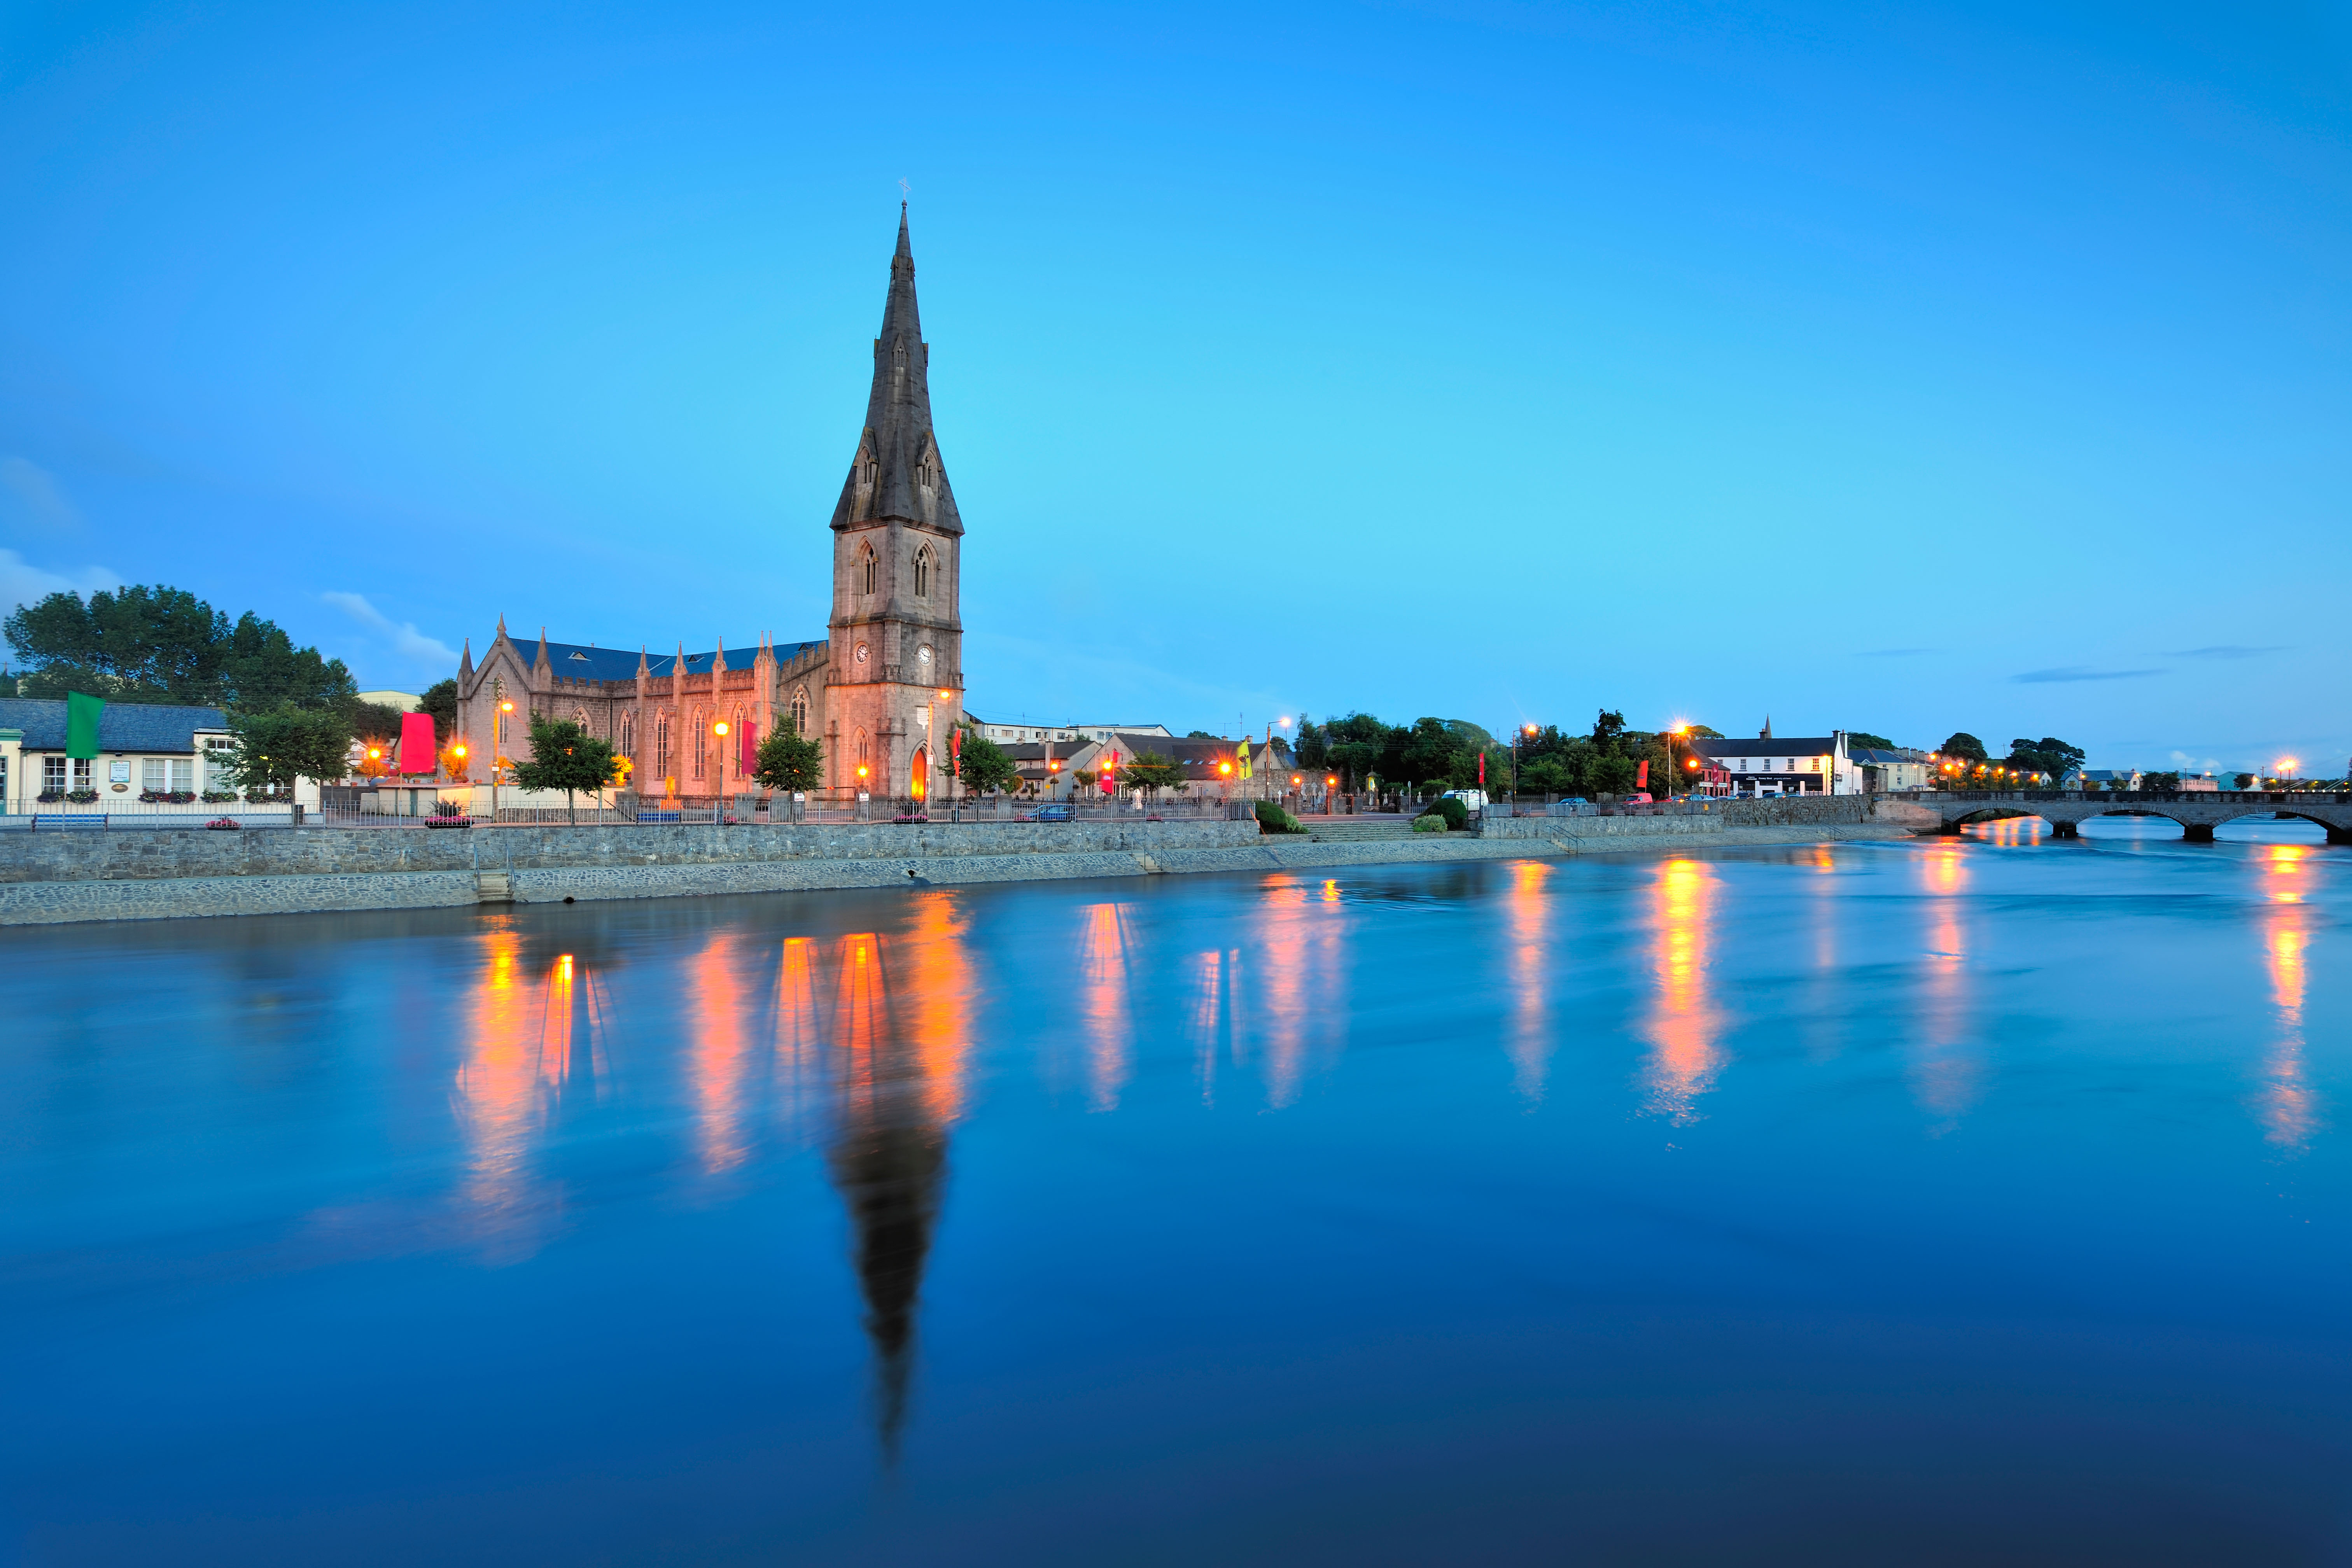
[{"x": 898, "y": 1077}]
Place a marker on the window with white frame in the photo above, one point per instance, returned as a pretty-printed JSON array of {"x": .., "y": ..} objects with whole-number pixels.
[{"x": 167, "y": 773}]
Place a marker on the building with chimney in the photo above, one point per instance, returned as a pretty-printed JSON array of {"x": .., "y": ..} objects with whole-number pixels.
[{"x": 880, "y": 689}]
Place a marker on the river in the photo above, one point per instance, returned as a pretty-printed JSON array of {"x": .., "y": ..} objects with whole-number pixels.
[{"x": 1957, "y": 1199}]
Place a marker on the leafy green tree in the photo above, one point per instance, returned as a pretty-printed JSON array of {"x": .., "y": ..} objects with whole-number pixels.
[
  {"x": 788, "y": 760},
  {"x": 277, "y": 745},
  {"x": 1199, "y": 735},
  {"x": 1965, "y": 747},
  {"x": 1868, "y": 742},
  {"x": 440, "y": 700},
  {"x": 1152, "y": 773},
  {"x": 2048, "y": 755},
  {"x": 1610, "y": 773},
  {"x": 158, "y": 643},
  {"x": 566, "y": 756},
  {"x": 260, "y": 667},
  {"x": 984, "y": 766}
]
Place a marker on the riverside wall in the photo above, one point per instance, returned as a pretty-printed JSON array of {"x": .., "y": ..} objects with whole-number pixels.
[{"x": 174, "y": 874}]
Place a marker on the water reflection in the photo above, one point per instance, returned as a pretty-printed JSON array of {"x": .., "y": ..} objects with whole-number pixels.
[
  {"x": 719, "y": 1054},
  {"x": 1528, "y": 913},
  {"x": 2289, "y": 1109},
  {"x": 1103, "y": 1006},
  {"x": 1945, "y": 1065},
  {"x": 532, "y": 1033},
  {"x": 901, "y": 1033},
  {"x": 1299, "y": 944},
  {"x": 1210, "y": 984},
  {"x": 1682, "y": 1022}
]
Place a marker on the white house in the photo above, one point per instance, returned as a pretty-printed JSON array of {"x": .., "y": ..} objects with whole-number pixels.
[
  {"x": 1776, "y": 765},
  {"x": 151, "y": 758}
]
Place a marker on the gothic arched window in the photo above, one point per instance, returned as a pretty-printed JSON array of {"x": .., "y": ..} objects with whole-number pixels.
[
  {"x": 580, "y": 717},
  {"x": 866, "y": 569},
  {"x": 733, "y": 744},
  {"x": 799, "y": 711},
  {"x": 699, "y": 743},
  {"x": 629, "y": 736},
  {"x": 661, "y": 743},
  {"x": 923, "y": 573}
]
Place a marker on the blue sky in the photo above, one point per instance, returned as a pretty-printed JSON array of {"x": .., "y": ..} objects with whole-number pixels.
[{"x": 1903, "y": 368}]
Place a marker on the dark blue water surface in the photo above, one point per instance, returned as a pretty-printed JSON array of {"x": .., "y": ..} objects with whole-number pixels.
[{"x": 1949, "y": 1201}]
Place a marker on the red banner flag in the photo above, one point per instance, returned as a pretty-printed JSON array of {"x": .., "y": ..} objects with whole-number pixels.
[
  {"x": 1641, "y": 775},
  {"x": 418, "y": 752},
  {"x": 1482, "y": 770}
]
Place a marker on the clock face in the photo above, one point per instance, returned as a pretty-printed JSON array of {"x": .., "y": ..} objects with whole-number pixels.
[
  {"x": 923, "y": 655},
  {"x": 861, "y": 653}
]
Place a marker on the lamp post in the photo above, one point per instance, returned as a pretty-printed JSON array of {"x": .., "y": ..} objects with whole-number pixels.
[
  {"x": 719, "y": 767},
  {"x": 498, "y": 739},
  {"x": 1677, "y": 730},
  {"x": 931, "y": 755}
]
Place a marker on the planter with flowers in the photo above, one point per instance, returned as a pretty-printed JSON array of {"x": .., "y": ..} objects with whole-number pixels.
[
  {"x": 218, "y": 796},
  {"x": 166, "y": 797},
  {"x": 223, "y": 823},
  {"x": 82, "y": 797}
]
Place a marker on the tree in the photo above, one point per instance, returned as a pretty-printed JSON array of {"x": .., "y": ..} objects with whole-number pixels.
[
  {"x": 440, "y": 700},
  {"x": 277, "y": 745},
  {"x": 379, "y": 718},
  {"x": 788, "y": 760},
  {"x": 1966, "y": 748},
  {"x": 984, "y": 765},
  {"x": 566, "y": 757},
  {"x": 1200, "y": 735},
  {"x": 159, "y": 643},
  {"x": 1869, "y": 741},
  {"x": 1152, "y": 773},
  {"x": 2048, "y": 755}
]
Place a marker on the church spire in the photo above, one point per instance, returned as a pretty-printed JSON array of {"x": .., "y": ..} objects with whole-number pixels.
[{"x": 896, "y": 472}]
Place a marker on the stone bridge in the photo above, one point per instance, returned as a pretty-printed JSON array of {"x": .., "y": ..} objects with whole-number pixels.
[{"x": 2198, "y": 812}]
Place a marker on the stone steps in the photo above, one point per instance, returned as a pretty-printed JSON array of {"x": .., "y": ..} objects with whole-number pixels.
[{"x": 1359, "y": 832}]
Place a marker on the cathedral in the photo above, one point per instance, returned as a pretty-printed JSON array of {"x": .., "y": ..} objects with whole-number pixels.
[{"x": 886, "y": 682}]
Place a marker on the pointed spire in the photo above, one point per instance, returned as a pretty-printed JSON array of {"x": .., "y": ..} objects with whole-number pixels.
[
  {"x": 643, "y": 666},
  {"x": 1767, "y": 728},
  {"x": 542, "y": 662},
  {"x": 897, "y": 471},
  {"x": 466, "y": 660},
  {"x": 502, "y": 624}
]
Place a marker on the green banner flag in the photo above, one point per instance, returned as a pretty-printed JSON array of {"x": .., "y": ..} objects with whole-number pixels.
[{"x": 82, "y": 712}]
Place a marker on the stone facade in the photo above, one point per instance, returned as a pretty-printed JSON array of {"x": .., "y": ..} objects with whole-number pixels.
[{"x": 882, "y": 691}]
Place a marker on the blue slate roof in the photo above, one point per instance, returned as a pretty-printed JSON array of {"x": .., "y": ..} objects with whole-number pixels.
[
  {"x": 124, "y": 727},
  {"x": 578, "y": 661}
]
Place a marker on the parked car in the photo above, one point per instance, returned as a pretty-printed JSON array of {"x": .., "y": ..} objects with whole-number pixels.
[
  {"x": 1046, "y": 814},
  {"x": 1475, "y": 799}
]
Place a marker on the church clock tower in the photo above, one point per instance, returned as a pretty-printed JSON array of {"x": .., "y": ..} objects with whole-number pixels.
[{"x": 897, "y": 632}]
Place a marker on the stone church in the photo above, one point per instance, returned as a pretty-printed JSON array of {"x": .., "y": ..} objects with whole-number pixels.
[{"x": 888, "y": 674}]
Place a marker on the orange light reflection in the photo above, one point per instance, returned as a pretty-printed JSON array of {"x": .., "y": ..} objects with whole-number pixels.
[{"x": 1683, "y": 1059}]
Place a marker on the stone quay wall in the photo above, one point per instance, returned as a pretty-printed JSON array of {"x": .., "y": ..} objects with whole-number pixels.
[
  {"x": 1548, "y": 827},
  {"x": 157, "y": 854},
  {"x": 1795, "y": 810}
]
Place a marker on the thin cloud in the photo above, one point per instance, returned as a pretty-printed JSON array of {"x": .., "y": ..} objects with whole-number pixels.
[
  {"x": 29, "y": 497},
  {"x": 2077, "y": 672},
  {"x": 2225, "y": 650},
  {"x": 406, "y": 640},
  {"x": 22, "y": 584}
]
